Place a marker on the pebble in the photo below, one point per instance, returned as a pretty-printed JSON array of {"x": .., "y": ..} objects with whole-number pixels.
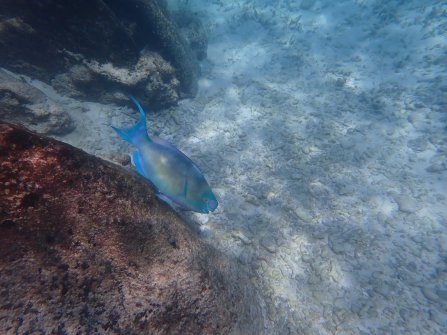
[
  {"x": 419, "y": 144},
  {"x": 384, "y": 290},
  {"x": 341, "y": 314},
  {"x": 336, "y": 245},
  {"x": 438, "y": 317},
  {"x": 302, "y": 214},
  {"x": 306, "y": 258},
  {"x": 319, "y": 234},
  {"x": 250, "y": 198},
  {"x": 269, "y": 243},
  {"x": 405, "y": 314},
  {"x": 437, "y": 167},
  {"x": 347, "y": 144},
  {"x": 442, "y": 294},
  {"x": 346, "y": 189},
  {"x": 430, "y": 294},
  {"x": 357, "y": 306},
  {"x": 307, "y": 4},
  {"x": 239, "y": 235},
  {"x": 406, "y": 204},
  {"x": 416, "y": 118},
  {"x": 201, "y": 218},
  {"x": 372, "y": 312}
]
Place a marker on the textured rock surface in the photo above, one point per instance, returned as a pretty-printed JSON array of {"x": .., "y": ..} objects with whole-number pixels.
[
  {"x": 193, "y": 31},
  {"x": 23, "y": 103},
  {"x": 96, "y": 46},
  {"x": 87, "y": 249}
]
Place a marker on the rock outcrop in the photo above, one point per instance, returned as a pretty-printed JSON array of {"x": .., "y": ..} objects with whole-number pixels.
[
  {"x": 193, "y": 32},
  {"x": 22, "y": 103},
  {"x": 87, "y": 248},
  {"x": 99, "y": 50}
]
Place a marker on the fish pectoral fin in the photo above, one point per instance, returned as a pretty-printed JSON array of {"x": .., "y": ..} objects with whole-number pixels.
[
  {"x": 136, "y": 161},
  {"x": 185, "y": 186},
  {"x": 165, "y": 198},
  {"x": 171, "y": 203}
]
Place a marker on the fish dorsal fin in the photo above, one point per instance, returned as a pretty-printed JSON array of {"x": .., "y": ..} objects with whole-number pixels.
[
  {"x": 138, "y": 132},
  {"x": 164, "y": 143}
]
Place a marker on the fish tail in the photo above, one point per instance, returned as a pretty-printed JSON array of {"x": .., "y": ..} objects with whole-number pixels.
[
  {"x": 142, "y": 113},
  {"x": 136, "y": 133}
]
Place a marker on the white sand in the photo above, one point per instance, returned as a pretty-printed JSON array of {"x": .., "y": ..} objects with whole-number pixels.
[{"x": 324, "y": 134}]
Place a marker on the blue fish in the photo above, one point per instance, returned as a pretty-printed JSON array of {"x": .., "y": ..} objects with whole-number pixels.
[{"x": 178, "y": 180}]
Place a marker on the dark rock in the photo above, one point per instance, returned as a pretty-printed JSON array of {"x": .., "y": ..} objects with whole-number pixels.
[
  {"x": 155, "y": 24},
  {"x": 86, "y": 248},
  {"x": 151, "y": 78},
  {"x": 85, "y": 48},
  {"x": 25, "y": 104},
  {"x": 193, "y": 31}
]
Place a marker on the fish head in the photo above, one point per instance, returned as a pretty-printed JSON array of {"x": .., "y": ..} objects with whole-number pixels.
[
  {"x": 208, "y": 202},
  {"x": 211, "y": 203}
]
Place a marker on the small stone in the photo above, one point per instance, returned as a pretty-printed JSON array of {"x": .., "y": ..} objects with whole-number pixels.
[
  {"x": 346, "y": 190},
  {"x": 437, "y": 167},
  {"x": 307, "y": 258},
  {"x": 201, "y": 218},
  {"x": 419, "y": 144},
  {"x": 120, "y": 159},
  {"x": 269, "y": 243},
  {"x": 430, "y": 294},
  {"x": 336, "y": 245},
  {"x": 406, "y": 204},
  {"x": 383, "y": 289},
  {"x": 307, "y": 4},
  {"x": 372, "y": 313},
  {"x": 356, "y": 306},
  {"x": 252, "y": 199},
  {"x": 442, "y": 294},
  {"x": 302, "y": 214},
  {"x": 438, "y": 317},
  {"x": 239, "y": 235},
  {"x": 405, "y": 314},
  {"x": 416, "y": 118},
  {"x": 318, "y": 234}
]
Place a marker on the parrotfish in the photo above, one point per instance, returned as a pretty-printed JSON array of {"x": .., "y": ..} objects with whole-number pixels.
[{"x": 178, "y": 180}]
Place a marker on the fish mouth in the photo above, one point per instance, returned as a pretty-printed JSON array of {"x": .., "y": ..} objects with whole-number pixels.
[{"x": 212, "y": 205}]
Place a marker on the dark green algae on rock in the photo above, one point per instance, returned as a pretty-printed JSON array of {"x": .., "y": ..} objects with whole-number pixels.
[{"x": 87, "y": 248}]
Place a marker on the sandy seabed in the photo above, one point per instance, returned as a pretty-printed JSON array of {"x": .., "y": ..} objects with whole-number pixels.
[{"x": 322, "y": 127}]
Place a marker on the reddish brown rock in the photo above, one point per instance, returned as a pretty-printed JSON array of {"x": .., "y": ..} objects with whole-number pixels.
[{"x": 86, "y": 248}]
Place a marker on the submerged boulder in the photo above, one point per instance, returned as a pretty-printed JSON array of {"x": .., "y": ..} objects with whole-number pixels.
[
  {"x": 22, "y": 103},
  {"x": 192, "y": 31},
  {"x": 87, "y": 248},
  {"x": 99, "y": 50}
]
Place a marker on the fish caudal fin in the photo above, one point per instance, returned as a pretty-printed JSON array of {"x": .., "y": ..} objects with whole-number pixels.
[
  {"x": 138, "y": 132},
  {"x": 140, "y": 109}
]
